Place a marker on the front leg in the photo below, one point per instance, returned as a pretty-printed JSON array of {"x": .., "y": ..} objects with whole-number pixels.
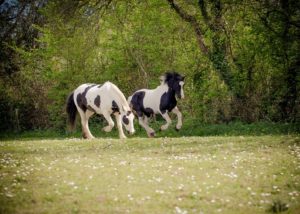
[
  {"x": 167, "y": 118},
  {"x": 179, "y": 118},
  {"x": 144, "y": 123},
  {"x": 110, "y": 122},
  {"x": 119, "y": 125}
]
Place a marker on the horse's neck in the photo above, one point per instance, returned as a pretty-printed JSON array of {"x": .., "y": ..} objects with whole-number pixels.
[
  {"x": 164, "y": 88},
  {"x": 120, "y": 100}
]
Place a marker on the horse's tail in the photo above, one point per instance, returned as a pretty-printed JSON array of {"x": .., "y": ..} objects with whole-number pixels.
[{"x": 71, "y": 110}]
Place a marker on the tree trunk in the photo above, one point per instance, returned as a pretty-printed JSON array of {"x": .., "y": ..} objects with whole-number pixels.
[{"x": 217, "y": 53}]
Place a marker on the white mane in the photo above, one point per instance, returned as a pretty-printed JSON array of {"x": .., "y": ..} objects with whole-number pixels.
[{"x": 119, "y": 96}]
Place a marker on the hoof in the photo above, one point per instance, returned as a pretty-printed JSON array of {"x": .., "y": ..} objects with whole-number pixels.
[
  {"x": 84, "y": 135},
  {"x": 152, "y": 134},
  {"x": 177, "y": 129}
]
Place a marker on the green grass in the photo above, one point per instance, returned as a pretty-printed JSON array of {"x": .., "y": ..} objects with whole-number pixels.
[
  {"x": 225, "y": 174},
  {"x": 190, "y": 128}
]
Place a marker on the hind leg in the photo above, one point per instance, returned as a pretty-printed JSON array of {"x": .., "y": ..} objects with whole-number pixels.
[
  {"x": 143, "y": 121},
  {"x": 179, "y": 118},
  {"x": 88, "y": 114},
  {"x": 86, "y": 134}
]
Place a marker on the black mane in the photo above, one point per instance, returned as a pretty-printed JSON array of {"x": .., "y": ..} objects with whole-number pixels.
[{"x": 171, "y": 76}]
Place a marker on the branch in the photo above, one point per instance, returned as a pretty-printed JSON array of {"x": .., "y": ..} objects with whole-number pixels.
[
  {"x": 192, "y": 20},
  {"x": 204, "y": 13}
]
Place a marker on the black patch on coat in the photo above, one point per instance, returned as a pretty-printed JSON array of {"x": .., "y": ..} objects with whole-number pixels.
[
  {"x": 125, "y": 120},
  {"x": 148, "y": 112},
  {"x": 79, "y": 101},
  {"x": 115, "y": 107},
  {"x": 138, "y": 106},
  {"x": 81, "y": 98},
  {"x": 97, "y": 101},
  {"x": 167, "y": 101}
]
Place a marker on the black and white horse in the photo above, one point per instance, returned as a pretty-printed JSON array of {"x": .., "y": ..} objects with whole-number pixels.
[
  {"x": 162, "y": 100},
  {"x": 104, "y": 99}
]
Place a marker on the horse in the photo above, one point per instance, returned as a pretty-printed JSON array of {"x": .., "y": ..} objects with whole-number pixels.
[
  {"x": 106, "y": 99},
  {"x": 146, "y": 102}
]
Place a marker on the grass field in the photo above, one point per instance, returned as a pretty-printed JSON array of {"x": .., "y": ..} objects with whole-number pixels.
[{"x": 237, "y": 174}]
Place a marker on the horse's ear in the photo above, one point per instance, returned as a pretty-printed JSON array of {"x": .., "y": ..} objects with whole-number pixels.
[
  {"x": 162, "y": 79},
  {"x": 180, "y": 78}
]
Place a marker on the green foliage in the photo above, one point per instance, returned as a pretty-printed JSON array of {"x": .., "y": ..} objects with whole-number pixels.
[{"x": 250, "y": 74}]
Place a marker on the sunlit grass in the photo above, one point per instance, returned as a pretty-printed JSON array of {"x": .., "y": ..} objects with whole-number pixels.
[{"x": 161, "y": 175}]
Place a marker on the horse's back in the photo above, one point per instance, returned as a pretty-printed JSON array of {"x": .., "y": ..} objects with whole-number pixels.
[
  {"x": 91, "y": 88},
  {"x": 145, "y": 100}
]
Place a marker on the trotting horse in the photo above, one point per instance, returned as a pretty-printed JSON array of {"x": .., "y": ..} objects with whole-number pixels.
[
  {"x": 104, "y": 99},
  {"x": 146, "y": 102}
]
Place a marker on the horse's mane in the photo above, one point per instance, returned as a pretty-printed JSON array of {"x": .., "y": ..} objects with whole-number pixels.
[
  {"x": 169, "y": 76},
  {"x": 120, "y": 95}
]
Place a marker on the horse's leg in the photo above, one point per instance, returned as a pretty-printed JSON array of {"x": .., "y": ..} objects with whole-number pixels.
[
  {"x": 167, "y": 118},
  {"x": 144, "y": 124},
  {"x": 84, "y": 121},
  {"x": 179, "y": 118},
  {"x": 88, "y": 114},
  {"x": 110, "y": 122},
  {"x": 119, "y": 125}
]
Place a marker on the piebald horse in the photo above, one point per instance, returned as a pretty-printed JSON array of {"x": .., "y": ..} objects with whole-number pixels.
[
  {"x": 162, "y": 100},
  {"x": 105, "y": 99}
]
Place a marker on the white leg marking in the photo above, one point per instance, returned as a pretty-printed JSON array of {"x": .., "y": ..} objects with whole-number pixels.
[
  {"x": 84, "y": 122},
  {"x": 167, "y": 118},
  {"x": 110, "y": 122},
  {"x": 119, "y": 125},
  {"x": 179, "y": 117},
  {"x": 144, "y": 123},
  {"x": 88, "y": 114}
]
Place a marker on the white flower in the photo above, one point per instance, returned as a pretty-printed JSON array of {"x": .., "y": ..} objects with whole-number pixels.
[
  {"x": 160, "y": 191},
  {"x": 9, "y": 195},
  {"x": 71, "y": 183}
]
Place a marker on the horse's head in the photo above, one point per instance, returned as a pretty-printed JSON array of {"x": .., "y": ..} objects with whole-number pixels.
[
  {"x": 175, "y": 82},
  {"x": 127, "y": 120}
]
